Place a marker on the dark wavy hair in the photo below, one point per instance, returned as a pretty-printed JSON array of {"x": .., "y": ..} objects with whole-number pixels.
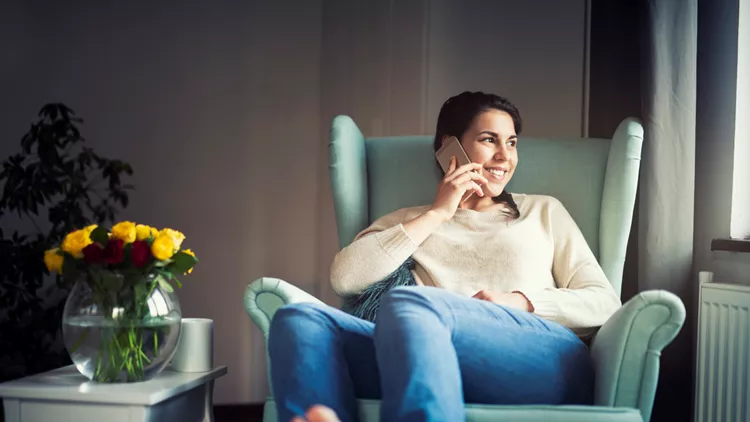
[{"x": 457, "y": 114}]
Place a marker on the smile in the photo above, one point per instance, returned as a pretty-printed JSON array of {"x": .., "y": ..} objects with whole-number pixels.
[{"x": 498, "y": 174}]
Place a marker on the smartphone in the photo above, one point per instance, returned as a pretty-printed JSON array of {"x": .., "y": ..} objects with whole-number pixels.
[{"x": 451, "y": 148}]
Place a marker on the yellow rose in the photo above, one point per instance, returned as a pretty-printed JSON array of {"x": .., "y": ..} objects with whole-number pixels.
[
  {"x": 90, "y": 228},
  {"x": 176, "y": 237},
  {"x": 53, "y": 260},
  {"x": 163, "y": 248},
  {"x": 189, "y": 252},
  {"x": 143, "y": 232},
  {"x": 124, "y": 231},
  {"x": 75, "y": 242}
]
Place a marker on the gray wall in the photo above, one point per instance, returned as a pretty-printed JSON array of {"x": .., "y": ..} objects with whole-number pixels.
[
  {"x": 223, "y": 109},
  {"x": 216, "y": 107}
]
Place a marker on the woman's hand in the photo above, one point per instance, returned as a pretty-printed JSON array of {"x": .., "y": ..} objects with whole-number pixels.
[
  {"x": 457, "y": 185},
  {"x": 513, "y": 300}
]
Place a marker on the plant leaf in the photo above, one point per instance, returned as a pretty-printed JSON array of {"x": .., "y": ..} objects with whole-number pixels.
[
  {"x": 100, "y": 235},
  {"x": 182, "y": 262}
]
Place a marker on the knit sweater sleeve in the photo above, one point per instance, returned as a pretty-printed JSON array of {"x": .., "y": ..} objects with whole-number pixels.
[
  {"x": 375, "y": 253},
  {"x": 584, "y": 298}
]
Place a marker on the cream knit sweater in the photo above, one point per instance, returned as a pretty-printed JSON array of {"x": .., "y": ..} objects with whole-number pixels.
[{"x": 542, "y": 254}]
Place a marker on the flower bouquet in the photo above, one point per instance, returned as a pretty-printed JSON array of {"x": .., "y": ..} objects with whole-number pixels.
[{"x": 121, "y": 320}]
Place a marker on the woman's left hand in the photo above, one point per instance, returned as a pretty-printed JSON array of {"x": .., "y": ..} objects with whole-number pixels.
[{"x": 513, "y": 300}]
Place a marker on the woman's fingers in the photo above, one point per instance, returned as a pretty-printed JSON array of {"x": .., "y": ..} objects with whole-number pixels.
[
  {"x": 472, "y": 187},
  {"x": 482, "y": 295},
  {"x": 452, "y": 166},
  {"x": 469, "y": 176},
  {"x": 459, "y": 171}
]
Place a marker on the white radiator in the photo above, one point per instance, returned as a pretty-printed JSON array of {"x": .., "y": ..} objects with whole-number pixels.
[{"x": 723, "y": 357}]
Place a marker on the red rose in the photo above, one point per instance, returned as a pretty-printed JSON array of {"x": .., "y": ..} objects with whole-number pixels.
[
  {"x": 93, "y": 254},
  {"x": 140, "y": 253},
  {"x": 114, "y": 251}
]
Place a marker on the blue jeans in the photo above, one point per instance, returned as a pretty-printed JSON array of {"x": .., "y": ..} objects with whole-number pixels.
[{"x": 429, "y": 352}]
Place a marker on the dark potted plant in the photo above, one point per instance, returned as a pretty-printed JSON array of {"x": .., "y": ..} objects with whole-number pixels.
[{"x": 54, "y": 185}]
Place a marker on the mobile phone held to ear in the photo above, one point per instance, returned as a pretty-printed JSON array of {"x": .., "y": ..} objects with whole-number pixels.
[{"x": 451, "y": 148}]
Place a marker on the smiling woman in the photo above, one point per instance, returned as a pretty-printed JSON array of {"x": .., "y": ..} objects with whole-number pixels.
[
  {"x": 506, "y": 291},
  {"x": 488, "y": 127}
]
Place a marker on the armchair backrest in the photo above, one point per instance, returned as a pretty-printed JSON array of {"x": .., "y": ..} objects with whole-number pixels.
[{"x": 596, "y": 179}]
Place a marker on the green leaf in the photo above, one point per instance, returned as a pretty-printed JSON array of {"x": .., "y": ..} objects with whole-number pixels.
[
  {"x": 100, "y": 235},
  {"x": 182, "y": 262}
]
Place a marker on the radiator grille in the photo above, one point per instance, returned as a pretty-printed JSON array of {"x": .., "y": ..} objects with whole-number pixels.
[{"x": 723, "y": 354}]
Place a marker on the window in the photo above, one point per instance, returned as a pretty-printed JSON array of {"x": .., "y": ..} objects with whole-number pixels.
[{"x": 740, "y": 218}]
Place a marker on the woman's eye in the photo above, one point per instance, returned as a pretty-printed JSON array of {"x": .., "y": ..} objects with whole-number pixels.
[
  {"x": 490, "y": 139},
  {"x": 512, "y": 143}
]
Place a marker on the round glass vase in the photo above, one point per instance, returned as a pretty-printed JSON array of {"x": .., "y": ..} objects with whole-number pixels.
[{"x": 121, "y": 330}]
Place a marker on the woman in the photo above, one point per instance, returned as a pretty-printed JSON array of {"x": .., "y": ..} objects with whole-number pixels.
[{"x": 508, "y": 289}]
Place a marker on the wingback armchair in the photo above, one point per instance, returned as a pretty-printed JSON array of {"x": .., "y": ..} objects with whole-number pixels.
[{"x": 596, "y": 179}]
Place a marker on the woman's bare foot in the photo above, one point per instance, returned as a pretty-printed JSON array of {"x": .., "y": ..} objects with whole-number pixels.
[{"x": 318, "y": 413}]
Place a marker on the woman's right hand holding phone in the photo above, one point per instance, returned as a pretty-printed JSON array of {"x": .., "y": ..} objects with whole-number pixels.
[{"x": 458, "y": 184}]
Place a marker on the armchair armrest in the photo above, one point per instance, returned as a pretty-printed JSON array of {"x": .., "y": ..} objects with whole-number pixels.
[
  {"x": 264, "y": 296},
  {"x": 627, "y": 348}
]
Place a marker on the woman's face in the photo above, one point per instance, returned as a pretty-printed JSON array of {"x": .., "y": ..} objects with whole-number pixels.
[{"x": 491, "y": 141}]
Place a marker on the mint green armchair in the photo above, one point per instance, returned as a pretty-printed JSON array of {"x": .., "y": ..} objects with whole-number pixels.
[{"x": 596, "y": 179}]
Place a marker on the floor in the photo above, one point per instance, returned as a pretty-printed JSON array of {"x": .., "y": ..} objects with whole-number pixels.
[{"x": 238, "y": 413}]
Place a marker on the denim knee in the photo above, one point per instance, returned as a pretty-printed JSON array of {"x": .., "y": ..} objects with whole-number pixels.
[
  {"x": 407, "y": 299},
  {"x": 407, "y": 295},
  {"x": 289, "y": 318}
]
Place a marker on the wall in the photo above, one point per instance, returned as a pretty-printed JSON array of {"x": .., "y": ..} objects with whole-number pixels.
[
  {"x": 530, "y": 51},
  {"x": 615, "y": 92},
  {"x": 216, "y": 107},
  {"x": 223, "y": 109},
  {"x": 16, "y": 50}
]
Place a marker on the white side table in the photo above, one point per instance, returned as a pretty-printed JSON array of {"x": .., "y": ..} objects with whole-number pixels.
[{"x": 64, "y": 395}]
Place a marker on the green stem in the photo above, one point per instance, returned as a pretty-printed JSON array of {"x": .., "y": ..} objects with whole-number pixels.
[
  {"x": 121, "y": 355},
  {"x": 80, "y": 340}
]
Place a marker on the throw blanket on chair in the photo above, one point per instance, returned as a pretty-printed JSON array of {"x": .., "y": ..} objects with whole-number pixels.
[{"x": 365, "y": 305}]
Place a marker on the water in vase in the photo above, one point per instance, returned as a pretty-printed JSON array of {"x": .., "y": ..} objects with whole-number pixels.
[{"x": 108, "y": 350}]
